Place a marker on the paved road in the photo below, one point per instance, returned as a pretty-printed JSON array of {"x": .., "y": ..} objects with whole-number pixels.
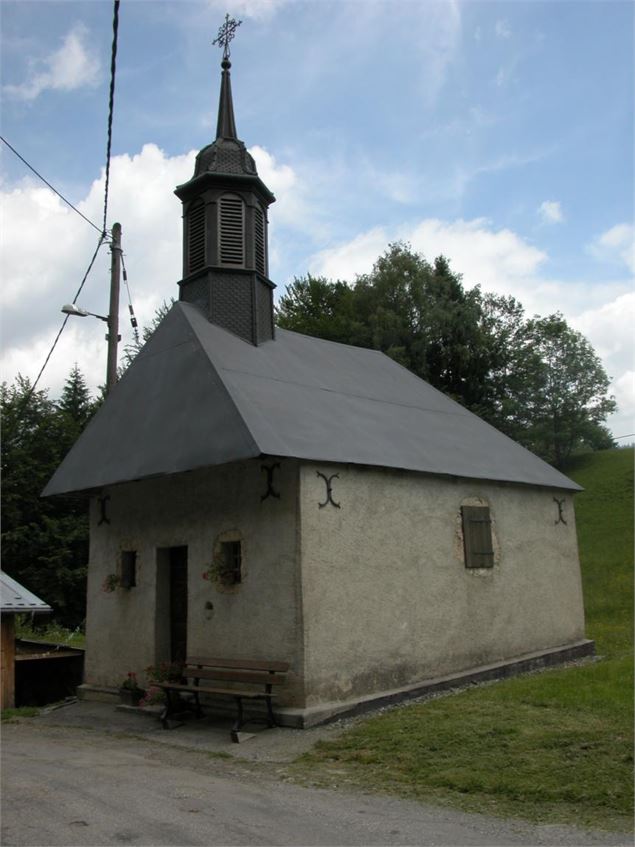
[{"x": 64, "y": 786}]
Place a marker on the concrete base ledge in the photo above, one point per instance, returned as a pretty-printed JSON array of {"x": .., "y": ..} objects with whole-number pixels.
[
  {"x": 325, "y": 712},
  {"x": 97, "y": 692}
]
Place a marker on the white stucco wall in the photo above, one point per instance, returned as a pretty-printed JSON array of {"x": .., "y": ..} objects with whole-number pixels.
[
  {"x": 362, "y": 599},
  {"x": 387, "y": 599},
  {"x": 258, "y": 619}
]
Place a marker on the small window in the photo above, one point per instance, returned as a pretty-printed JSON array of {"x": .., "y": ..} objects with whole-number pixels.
[
  {"x": 128, "y": 568},
  {"x": 231, "y": 573},
  {"x": 232, "y": 231},
  {"x": 477, "y": 537},
  {"x": 196, "y": 237}
]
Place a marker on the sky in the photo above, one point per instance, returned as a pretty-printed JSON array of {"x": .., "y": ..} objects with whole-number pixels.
[{"x": 497, "y": 134}]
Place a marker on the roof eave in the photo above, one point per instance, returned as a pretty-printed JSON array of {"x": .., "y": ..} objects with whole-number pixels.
[{"x": 198, "y": 183}]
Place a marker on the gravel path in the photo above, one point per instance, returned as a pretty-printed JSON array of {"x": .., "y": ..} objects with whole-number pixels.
[{"x": 66, "y": 785}]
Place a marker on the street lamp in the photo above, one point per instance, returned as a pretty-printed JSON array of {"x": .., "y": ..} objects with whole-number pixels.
[
  {"x": 72, "y": 309},
  {"x": 112, "y": 319}
]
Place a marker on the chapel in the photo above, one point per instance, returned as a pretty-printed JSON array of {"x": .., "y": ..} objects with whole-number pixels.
[{"x": 259, "y": 493}]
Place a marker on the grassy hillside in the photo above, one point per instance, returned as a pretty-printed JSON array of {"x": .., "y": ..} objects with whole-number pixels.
[
  {"x": 555, "y": 746},
  {"x": 604, "y": 516}
]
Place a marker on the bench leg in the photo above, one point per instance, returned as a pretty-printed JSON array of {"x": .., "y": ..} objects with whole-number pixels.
[
  {"x": 167, "y": 711},
  {"x": 272, "y": 720},
  {"x": 198, "y": 708},
  {"x": 238, "y": 723}
]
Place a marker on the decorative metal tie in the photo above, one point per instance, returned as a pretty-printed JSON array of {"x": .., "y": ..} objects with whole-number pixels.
[
  {"x": 226, "y": 34},
  {"x": 270, "y": 492},
  {"x": 103, "y": 502},
  {"x": 328, "y": 481},
  {"x": 560, "y": 505}
]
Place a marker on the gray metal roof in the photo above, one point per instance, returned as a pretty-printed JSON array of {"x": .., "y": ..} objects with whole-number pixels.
[
  {"x": 16, "y": 598},
  {"x": 198, "y": 396}
]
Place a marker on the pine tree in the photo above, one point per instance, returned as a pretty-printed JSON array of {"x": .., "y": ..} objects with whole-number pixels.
[{"x": 44, "y": 540}]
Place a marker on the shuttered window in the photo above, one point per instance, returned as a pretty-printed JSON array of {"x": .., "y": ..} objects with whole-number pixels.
[
  {"x": 196, "y": 237},
  {"x": 259, "y": 232},
  {"x": 232, "y": 231},
  {"x": 477, "y": 537},
  {"x": 128, "y": 577},
  {"x": 231, "y": 572}
]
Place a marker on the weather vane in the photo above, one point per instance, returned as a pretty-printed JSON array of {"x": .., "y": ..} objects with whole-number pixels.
[{"x": 226, "y": 33}]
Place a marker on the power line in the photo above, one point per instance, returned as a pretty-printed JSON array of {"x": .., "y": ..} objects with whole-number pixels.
[
  {"x": 111, "y": 103},
  {"x": 61, "y": 329},
  {"x": 46, "y": 182},
  {"x": 103, "y": 231},
  {"x": 133, "y": 318}
]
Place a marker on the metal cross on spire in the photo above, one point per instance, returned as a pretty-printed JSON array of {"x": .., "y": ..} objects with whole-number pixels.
[{"x": 226, "y": 33}]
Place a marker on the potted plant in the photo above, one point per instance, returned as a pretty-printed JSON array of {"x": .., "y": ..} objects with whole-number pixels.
[
  {"x": 129, "y": 691},
  {"x": 111, "y": 583},
  {"x": 163, "y": 672}
]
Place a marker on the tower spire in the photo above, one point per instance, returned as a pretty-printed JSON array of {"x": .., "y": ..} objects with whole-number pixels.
[
  {"x": 225, "y": 227},
  {"x": 226, "y": 124}
]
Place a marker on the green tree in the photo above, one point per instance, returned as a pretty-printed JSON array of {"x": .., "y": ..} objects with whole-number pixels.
[
  {"x": 44, "y": 540},
  {"x": 76, "y": 406},
  {"x": 318, "y": 307},
  {"x": 418, "y": 314},
  {"x": 536, "y": 380},
  {"x": 568, "y": 402}
]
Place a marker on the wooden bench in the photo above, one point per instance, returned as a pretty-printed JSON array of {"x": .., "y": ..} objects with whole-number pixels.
[{"x": 251, "y": 679}]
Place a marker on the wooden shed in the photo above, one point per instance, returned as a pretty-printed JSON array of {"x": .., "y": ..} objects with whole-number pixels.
[{"x": 15, "y": 599}]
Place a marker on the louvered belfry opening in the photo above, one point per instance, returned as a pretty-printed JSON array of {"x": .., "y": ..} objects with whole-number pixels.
[
  {"x": 259, "y": 241},
  {"x": 196, "y": 237},
  {"x": 232, "y": 231},
  {"x": 225, "y": 268}
]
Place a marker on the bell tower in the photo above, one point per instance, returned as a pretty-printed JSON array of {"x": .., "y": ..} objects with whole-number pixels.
[{"x": 225, "y": 226}]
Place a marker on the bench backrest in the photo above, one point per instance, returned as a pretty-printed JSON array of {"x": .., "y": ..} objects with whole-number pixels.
[
  {"x": 238, "y": 664},
  {"x": 236, "y": 670}
]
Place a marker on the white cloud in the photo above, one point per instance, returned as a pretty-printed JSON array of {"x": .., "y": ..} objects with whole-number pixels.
[
  {"x": 616, "y": 245},
  {"x": 67, "y": 69},
  {"x": 623, "y": 421},
  {"x": 440, "y": 41},
  {"x": 609, "y": 328},
  {"x": 550, "y": 212},
  {"x": 354, "y": 257},
  {"x": 502, "y": 30},
  {"x": 258, "y": 9},
  {"x": 46, "y": 248},
  {"x": 497, "y": 259},
  {"x": 283, "y": 181}
]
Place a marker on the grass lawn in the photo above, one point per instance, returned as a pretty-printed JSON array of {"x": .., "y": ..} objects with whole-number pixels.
[
  {"x": 556, "y": 746},
  {"x": 13, "y": 715},
  {"x": 53, "y": 633}
]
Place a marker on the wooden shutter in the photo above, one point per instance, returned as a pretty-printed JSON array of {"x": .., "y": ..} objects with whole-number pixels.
[
  {"x": 196, "y": 237},
  {"x": 232, "y": 564},
  {"x": 232, "y": 231},
  {"x": 259, "y": 232},
  {"x": 477, "y": 537}
]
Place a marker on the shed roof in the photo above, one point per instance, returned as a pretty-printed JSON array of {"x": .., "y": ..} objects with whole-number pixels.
[
  {"x": 198, "y": 396},
  {"x": 16, "y": 598}
]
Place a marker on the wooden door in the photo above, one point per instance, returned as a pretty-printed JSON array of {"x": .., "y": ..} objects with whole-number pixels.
[{"x": 178, "y": 604}]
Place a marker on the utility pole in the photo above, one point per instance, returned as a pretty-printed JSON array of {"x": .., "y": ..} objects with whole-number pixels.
[{"x": 113, "y": 312}]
